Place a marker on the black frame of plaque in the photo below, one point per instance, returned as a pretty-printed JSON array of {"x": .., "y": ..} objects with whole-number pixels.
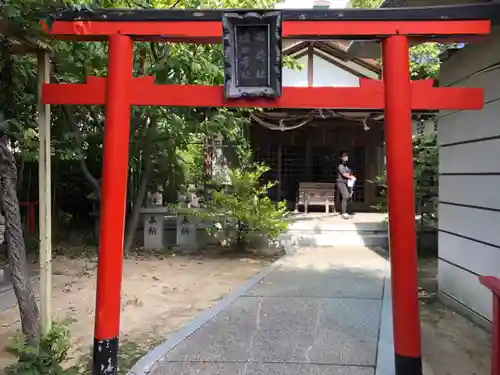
[{"x": 230, "y": 23}]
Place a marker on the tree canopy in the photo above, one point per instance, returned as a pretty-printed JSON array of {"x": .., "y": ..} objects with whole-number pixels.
[{"x": 162, "y": 140}]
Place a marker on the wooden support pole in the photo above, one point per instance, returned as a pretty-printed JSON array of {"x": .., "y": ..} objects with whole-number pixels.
[
  {"x": 310, "y": 64},
  {"x": 44, "y": 193},
  {"x": 279, "y": 168}
]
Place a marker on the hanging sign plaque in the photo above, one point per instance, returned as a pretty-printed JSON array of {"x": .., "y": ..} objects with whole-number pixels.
[{"x": 252, "y": 54}]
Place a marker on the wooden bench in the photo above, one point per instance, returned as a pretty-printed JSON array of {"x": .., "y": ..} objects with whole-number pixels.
[{"x": 315, "y": 194}]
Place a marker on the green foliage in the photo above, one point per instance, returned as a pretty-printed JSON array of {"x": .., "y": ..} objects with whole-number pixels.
[
  {"x": 425, "y": 161},
  {"x": 424, "y": 58},
  {"x": 77, "y": 131},
  {"x": 47, "y": 358},
  {"x": 192, "y": 160},
  {"x": 365, "y": 3},
  {"x": 159, "y": 154},
  {"x": 243, "y": 209}
]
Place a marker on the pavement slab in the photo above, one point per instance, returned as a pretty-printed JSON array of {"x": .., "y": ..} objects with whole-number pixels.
[
  {"x": 308, "y": 330},
  {"x": 317, "y": 312},
  {"x": 187, "y": 368},
  {"x": 348, "y": 282}
]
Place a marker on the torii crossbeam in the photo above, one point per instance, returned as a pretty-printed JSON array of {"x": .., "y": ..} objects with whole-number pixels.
[{"x": 395, "y": 94}]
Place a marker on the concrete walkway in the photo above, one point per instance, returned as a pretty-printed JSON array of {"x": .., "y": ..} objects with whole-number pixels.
[
  {"x": 317, "y": 312},
  {"x": 7, "y": 295}
]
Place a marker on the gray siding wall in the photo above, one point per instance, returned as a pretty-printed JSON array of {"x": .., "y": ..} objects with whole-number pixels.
[{"x": 469, "y": 182}]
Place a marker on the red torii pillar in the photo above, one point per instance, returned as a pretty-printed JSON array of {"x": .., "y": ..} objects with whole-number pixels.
[
  {"x": 401, "y": 202},
  {"x": 113, "y": 202}
]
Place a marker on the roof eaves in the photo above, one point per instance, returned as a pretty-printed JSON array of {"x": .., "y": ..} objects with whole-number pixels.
[
  {"x": 391, "y": 3},
  {"x": 336, "y": 49},
  {"x": 356, "y": 48}
]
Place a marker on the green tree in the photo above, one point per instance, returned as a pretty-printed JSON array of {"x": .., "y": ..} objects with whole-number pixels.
[
  {"x": 158, "y": 134},
  {"x": 364, "y": 3},
  {"x": 425, "y": 160},
  {"x": 12, "y": 135}
]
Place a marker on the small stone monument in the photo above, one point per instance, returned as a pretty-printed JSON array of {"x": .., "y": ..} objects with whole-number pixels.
[
  {"x": 187, "y": 224},
  {"x": 154, "y": 219}
]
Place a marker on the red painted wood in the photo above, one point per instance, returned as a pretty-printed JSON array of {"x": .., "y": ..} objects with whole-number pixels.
[
  {"x": 114, "y": 187},
  {"x": 495, "y": 337},
  {"x": 370, "y": 95},
  {"x": 27, "y": 204},
  {"x": 211, "y": 31},
  {"x": 401, "y": 196},
  {"x": 31, "y": 219},
  {"x": 451, "y": 39},
  {"x": 31, "y": 215},
  {"x": 493, "y": 284},
  {"x": 378, "y": 28}
]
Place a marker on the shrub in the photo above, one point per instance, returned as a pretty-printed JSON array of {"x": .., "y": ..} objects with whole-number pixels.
[
  {"x": 45, "y": 359},
  {"x": 242, "y": 209}
]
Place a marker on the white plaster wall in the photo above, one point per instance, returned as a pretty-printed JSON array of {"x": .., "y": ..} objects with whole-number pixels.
[
  {"x": 327, "y": 74},
  {"x": 469, "y": 181},
  {"x": 296, "y": 77},
  {"x": 324, "y": 74}
]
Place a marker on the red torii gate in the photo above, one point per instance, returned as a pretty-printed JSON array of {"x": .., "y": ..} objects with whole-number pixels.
[{"x": 396, "y": 94}]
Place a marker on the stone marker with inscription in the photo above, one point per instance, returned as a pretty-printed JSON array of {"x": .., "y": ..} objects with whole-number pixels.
[
  {"x": 187, "y": 225},
  {"x": 154, "y": 221}
]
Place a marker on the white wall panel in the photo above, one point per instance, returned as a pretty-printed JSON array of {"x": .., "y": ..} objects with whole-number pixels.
[
  {"x": 471, "y": 222},
  {"x": 479, "y": 191},
  {"x": 478, "y": 157},
  {"x": 474, "y": 66},
  {"x": 487, "y": 80},
  {"x": 467, "y": 125},
  {"x": 471, "y": 59},
  {"x": 469, "y": 254},
  {"x": 466, "y": 288}
]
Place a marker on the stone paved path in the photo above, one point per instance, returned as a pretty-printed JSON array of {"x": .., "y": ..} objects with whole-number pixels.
[
  {"x": 7, "y": 296},
  {"x": 316, "y": 313}
]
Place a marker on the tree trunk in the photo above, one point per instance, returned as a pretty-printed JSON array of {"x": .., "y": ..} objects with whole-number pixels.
[
  {"x": 28, "y": 308},
  {"x": 79, "y": 139},
  {"x": 143, "y": 188},
  {"x": 81, "y": 158}
]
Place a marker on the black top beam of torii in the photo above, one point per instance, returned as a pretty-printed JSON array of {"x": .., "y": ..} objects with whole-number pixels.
[{"x": 483, "y": 11}]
